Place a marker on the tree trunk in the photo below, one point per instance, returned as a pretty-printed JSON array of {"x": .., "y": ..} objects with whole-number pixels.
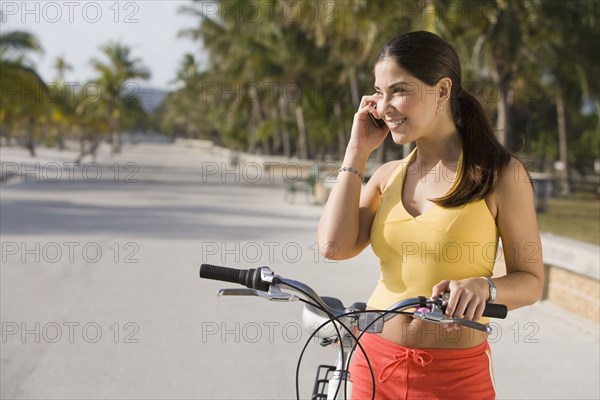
[
  {"x": 82, "y": 142},
  {"x": 565, "y": 189},
  {"x": 31, "y": 144},
  {"x": 31, "y": 137},
  {"x": 285, "y": 134},
  {"x": 266, "y": 146},
  {"x": 430, "y": 17},
  {"x": 60, "y": 137},
  {"x": 114, "y": 135},
  {"x": 302, "y": 148},
  {"x": 501, "y": 109},
  {"x": 502, "y": 81},
  {"x": 95, "y": 145},
  {"x": 277, "y": 136},
  {"x": 116, "y": 142},
  {"x": 44, "y": 134},
  {"x": 256, "y": 117},
  {"x": 353, "y": 85},
  {"x": 341, "y": 135}
]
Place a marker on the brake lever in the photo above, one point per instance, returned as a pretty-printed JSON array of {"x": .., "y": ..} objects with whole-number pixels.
[
  {"x": 274, "y": 293},
  {"x": 437, "y": 315},
  {"x": 238, "y": 292},
  {"x": 471, "y": 324}
]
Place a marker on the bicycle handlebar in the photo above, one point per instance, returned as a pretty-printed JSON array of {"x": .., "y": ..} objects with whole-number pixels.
[
  {"x": 247, "y": 277},
  {"x": 251, "y": 278},
  {"x": 337, "y": 323},
  {"x": 495, "y": 310}
]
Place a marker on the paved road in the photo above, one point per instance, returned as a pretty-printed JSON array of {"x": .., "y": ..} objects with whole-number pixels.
[{"x": 100, "y": 297}]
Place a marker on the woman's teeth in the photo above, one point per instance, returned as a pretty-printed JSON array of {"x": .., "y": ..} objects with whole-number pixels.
[{"x": 396, "y": 123}]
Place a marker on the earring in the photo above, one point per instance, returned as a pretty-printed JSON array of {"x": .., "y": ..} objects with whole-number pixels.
[{"x": 441, "y": 111}]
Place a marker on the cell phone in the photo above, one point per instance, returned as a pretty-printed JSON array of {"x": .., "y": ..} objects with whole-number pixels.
[{"x": 378, "y": 122}]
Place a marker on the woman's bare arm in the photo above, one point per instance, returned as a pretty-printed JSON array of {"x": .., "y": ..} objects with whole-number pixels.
[
  {"x": 346, "y": 220},
  {"x": 517, "y": 223},
  {"x": 345, "y": 225}
]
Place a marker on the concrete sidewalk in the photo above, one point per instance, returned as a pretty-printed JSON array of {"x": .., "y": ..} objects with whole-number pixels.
[{"x": 100, "y": 295}]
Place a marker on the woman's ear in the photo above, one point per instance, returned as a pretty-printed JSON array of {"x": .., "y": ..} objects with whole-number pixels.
[{"x": 444, "y": 88}]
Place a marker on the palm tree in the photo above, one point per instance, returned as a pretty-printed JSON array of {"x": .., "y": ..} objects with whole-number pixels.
[
  {"x": 497, "y": 48},
  {"x": 332, "y": 55},
  {"x": 188, "y": 70},
  {"x": 119, "y": 69},
  {"x": 14, "y": 45},
  {"x": 24, "y": 91},
  {"x": 91, "y": 124},
  {"x": 62, "y": 105},
  {"x": 181, "y": 113},
  {"x": 62, "y": 67},
  {"x": 553, "y": 42}
]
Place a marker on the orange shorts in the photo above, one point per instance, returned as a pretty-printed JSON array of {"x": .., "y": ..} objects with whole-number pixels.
[{"x": 410, "y": 373}]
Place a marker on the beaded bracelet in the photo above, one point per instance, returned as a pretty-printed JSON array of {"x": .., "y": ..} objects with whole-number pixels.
[{"x": 354, "y": 171}]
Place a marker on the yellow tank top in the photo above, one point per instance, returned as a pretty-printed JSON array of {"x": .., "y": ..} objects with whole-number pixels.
[{"x": 417, "y": 252}]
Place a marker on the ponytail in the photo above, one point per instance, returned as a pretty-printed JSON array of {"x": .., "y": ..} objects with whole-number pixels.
[{"x": 483, "y": 155}]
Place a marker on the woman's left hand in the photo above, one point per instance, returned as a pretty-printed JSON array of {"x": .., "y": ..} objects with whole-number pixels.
[{"x": 467, "y": 298}]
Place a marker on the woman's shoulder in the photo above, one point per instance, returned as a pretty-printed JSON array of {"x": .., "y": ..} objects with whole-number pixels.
[
  {"x": 513, "y": 184},
  {"x": 383, "y": 174},
  {"x": 513, "y": 176}
]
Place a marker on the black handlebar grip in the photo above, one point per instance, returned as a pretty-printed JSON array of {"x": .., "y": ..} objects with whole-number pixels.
[
  {"x": 246, "y": 277},
  {"x": 225, "y": 274},
  {"x": 495, "y": 310}
]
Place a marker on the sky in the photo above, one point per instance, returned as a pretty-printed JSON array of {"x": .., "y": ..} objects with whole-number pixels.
[{"x": 77, "y": 29}]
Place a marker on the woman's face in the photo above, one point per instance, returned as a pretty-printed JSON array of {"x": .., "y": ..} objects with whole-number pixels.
[{"x": 406, "y": 104}]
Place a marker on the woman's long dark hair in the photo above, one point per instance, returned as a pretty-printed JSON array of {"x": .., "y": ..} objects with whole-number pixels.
[{"x": 429, "y": 58}]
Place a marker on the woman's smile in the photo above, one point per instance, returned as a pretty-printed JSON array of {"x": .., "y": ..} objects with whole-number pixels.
[{"x": 395, "y": 124}]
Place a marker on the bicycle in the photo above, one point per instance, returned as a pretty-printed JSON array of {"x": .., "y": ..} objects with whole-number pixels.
[{"x": 336, "y": 324}]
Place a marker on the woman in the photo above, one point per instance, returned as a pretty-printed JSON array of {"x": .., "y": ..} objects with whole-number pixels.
[{"x": 434, "y": 220}]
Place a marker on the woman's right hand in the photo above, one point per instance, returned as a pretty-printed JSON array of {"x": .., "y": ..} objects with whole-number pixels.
[{"x": 365, "y": 136}]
